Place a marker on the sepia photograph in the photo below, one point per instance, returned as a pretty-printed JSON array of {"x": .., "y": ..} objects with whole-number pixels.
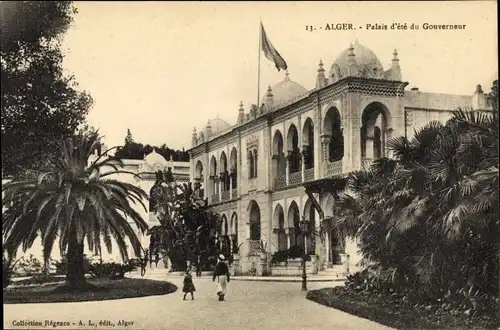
[{"x": 250, "y": 165}]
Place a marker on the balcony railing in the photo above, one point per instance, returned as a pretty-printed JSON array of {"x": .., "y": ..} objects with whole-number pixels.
[
  {"x": 309, "y": 174},
  {"x": 366, "y": 163},
  {"x": 253, "y": 246},
  {"x": 280, "y": 182},
  {"x": 234, "y": 193},
  {"x": 214, "y": 199},
  {"x": 225, "y": 195},
  {"x": 295, "y": 178},
  {"x": 334, "y": 168}
]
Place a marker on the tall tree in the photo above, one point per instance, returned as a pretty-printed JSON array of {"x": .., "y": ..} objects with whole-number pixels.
[
  {"x": 188, "y": 226},
  {"x": 40, "y": 105},
  {"x": 76, "y": 203}
]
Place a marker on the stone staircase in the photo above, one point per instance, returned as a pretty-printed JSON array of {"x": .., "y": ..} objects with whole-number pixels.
[{"x": 338, "y": 271}]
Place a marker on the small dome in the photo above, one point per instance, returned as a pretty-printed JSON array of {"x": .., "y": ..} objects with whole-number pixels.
[
  {"x": 369, "y": 66},
  {"x": 155, "y": 161},
  {"x": 285, "y": 91},
  {"x": 218, "y": 125}
]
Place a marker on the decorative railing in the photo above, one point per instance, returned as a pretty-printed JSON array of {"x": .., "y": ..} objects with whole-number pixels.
[
  {"x": 366, "y": 163},
  {"x": 253, "y": 246},
  {"x": 225, "y": 195},
  {"x": 214, "y": 199},
  {"x": 280, "y": 182},
  {"x": 309, "y": 174},
  {"x": 234, "y": 193},
  {"x": 295, "y": 178},
  {"x": 334, "y": 168}
]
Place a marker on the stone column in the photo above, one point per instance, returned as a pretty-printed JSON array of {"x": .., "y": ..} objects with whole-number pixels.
[
  {"x": 304, "y": 161},
  {"x": 288, "y": 238},
  {"x": 356, "y": 145},
  {"x": 328, "y": 248},
  {"x": 218, "y": 187},
  {"x": 369, "y": 148},
  {"x": 287, "y": 169},
  {"x": 325, "y": 144}
]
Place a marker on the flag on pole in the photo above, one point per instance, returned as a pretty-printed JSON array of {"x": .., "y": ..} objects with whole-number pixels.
[{"x": 269, "y": 50}]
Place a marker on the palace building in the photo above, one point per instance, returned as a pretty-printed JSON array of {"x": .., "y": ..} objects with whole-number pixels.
[{"x": 280, "y": 161}]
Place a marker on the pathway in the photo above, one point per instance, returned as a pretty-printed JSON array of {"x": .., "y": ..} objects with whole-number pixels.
[{"x": 249, "y": 305}]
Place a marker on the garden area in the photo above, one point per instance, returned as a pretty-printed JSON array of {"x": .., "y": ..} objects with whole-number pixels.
[
  {"x": 428, "y": 228},
  {"x": 26, "y": 281}
]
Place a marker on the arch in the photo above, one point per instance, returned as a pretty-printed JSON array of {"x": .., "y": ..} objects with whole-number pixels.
[
  {"x": 213, "y": 166},
  {"x": 293, "y": 215},
  {"x": 254, "y": 220},
  {"x": 223, "y": 161},
  {"x": 292, "y": 138},
  {"x": 277, "y": 143},
  {"x": 224, "y": 230},
  {"x": 279, "y": 223},
  {"x": 332, "y": 129},
  {"x": 294, "y": 222},
  {"x": 198, "y": 171},
  {"x": 233, "y": 159},
  {"x": 332, "y": 121},
  {"x": 278, "y": 212},
  {"x": 233, "y": 228},
  {"x": 308, "y": 143},
  {"x": 329, "y": 204},
  {"x": 375, "y": 121},
  {"x": 307, "y": 131},
  {"x": 310, "y": 215}
]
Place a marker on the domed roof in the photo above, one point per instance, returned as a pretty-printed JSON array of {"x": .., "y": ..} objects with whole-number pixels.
[
  {"x": 369, "y": 66},
  {"x": 285, "y": 91},
  {"x": 154, "y": 159},
  {"x": 217, "y": 125}
]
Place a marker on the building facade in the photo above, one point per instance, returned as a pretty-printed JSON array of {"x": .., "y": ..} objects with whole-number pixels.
[{"x": 255, "y": 172}]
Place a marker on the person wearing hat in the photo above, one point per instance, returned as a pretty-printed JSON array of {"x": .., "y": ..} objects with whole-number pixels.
[{"x": 221, "y": 272}]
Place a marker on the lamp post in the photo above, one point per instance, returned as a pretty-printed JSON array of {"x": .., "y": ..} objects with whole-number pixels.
[{"x": 304, "y": 227}]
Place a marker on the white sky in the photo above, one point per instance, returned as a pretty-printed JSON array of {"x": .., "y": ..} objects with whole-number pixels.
[{"x": 162, "y": 68}]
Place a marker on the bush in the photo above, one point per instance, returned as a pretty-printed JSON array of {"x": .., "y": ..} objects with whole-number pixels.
[{"x": 279, "y": 256}]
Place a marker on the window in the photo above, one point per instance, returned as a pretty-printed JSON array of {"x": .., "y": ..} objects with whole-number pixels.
[{"x": 252, "y": 163}]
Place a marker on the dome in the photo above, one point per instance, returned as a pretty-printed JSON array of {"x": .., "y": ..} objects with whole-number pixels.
[
  {"x": 218, "y": 125},
  {"x": 368, "y": 64},
  {"x": 155, "y": 161},
  {"x": 285, "y": 91}
]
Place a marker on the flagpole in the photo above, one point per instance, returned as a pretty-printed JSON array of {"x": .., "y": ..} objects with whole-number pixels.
[{"x": 258, "y": 69}]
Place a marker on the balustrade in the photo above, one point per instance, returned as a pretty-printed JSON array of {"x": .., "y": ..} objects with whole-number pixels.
[
  {"x": 234, "y": 193},
  {"x": 225, "y": 195},
  {"x": 214, "y": 199},
  {"x": 280, "y": 182},
  {"x": 295, "y": 178},
  {"x": 309, "y": 174},
  {"x": 334, "y": 168}
]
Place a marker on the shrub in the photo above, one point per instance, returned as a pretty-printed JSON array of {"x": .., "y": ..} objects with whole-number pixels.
[{"x": 279, "y": 256}]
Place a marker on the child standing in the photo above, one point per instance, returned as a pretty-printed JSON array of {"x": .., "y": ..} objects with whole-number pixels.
[{"x": 188, "y": 284}]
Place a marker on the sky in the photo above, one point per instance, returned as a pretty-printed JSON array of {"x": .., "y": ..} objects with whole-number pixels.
[{"x": 162, "y": 68}]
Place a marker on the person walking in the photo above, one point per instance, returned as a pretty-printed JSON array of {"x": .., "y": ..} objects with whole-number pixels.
[
  {"x": 198, "y": 266},
  {"x": 221, "y": 272},
  {"x": 188, "y": 284}
]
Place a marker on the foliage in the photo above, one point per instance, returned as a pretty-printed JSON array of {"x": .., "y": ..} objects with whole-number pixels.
[
  {"x": 108, "y": 289},
  {"x": 74, "y": 202},
  {"x": 188, "y": 227},
  {"x": 8, "y": 264},
  {"x": 40, "y": 104},
  {"x": 294, "y": 252},
  {"x": 393, "y": 310},
  {"x": 134, "y": 150},
  {"x": 427, "y": 221},
  {"x": 28, "y": 266},
  {"x": 109, "y": 269}
]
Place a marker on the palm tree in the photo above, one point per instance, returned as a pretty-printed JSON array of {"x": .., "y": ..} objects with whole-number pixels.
[
  {"x": 75, "y": 202},
  {"x": 438, "y": 196}
]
